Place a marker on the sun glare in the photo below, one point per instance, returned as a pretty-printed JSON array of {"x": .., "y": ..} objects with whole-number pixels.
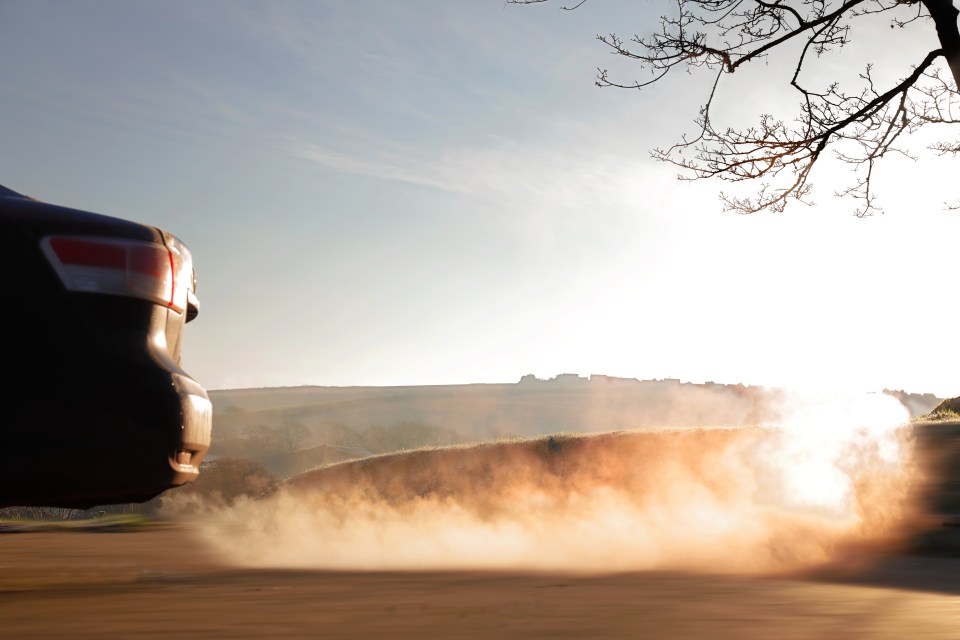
[{"x": 821, "y": 437}]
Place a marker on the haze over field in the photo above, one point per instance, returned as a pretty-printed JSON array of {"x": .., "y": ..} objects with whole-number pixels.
[
  {"x": 835, "y": 478},
  {"x": 814, "y": 480},
  {"x": 293, "y": 429}
]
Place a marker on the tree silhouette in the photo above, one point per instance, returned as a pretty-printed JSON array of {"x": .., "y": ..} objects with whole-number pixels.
[{"x": 860, "y": 126}]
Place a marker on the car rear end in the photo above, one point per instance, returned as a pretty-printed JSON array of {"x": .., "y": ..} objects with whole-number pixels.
[{"x": 97, "y": 409}]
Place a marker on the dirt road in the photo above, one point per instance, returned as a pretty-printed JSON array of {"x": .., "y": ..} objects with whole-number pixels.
[{"x": 164, "y": 581}]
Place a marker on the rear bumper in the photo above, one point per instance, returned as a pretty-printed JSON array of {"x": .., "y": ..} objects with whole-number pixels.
[
  {"x": 127, "y": 450},
  {"x": 196, "y": 423}
]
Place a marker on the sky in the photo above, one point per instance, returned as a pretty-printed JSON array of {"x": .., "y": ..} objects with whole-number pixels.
[{"x": 427, "y": 192}]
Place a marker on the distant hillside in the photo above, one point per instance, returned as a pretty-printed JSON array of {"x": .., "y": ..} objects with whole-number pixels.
[
  {"x": 530, "y": 407},
  {"x": 270, "y": 425},
  {"x": 292, "y": 463},
  {"x": 486, "y": 474},
  {"x": 635, "y": 461},
  {"x": 917, "y": 404}
]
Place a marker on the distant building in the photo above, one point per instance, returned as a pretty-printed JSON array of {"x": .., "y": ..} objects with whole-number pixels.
[
  {"x": 563, "y": 378},
  {"x": 569, "y": 378},
  {"x": 602, "y": 379}
]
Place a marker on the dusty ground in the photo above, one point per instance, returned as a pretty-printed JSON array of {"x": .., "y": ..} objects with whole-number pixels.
[{"x": 164, "y": 581}]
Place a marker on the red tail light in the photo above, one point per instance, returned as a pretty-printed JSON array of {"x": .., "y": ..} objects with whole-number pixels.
[{"x": 122, "y": 267}]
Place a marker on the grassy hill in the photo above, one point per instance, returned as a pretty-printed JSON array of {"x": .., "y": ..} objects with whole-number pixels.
[
  {"x": 485, "y": 473},
  {"x": 258, "y": 422},
  {"x": 264, "y": 424}
]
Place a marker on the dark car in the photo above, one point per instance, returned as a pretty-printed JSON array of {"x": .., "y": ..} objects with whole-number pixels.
[{"x": 96, "y": 408}]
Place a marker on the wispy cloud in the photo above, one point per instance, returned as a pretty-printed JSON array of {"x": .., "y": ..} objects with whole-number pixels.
[
  {"x": 568, "y": 174},
  {"x": 385, "y": 167}
]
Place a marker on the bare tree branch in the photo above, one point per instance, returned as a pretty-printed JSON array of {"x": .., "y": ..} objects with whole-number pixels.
[
  {"x": 576, "y": 6},
  {"x": 860, "y": 127}
]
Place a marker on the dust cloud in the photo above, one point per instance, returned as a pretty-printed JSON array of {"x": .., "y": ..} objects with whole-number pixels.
[{"x": 832, "y": 477}]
